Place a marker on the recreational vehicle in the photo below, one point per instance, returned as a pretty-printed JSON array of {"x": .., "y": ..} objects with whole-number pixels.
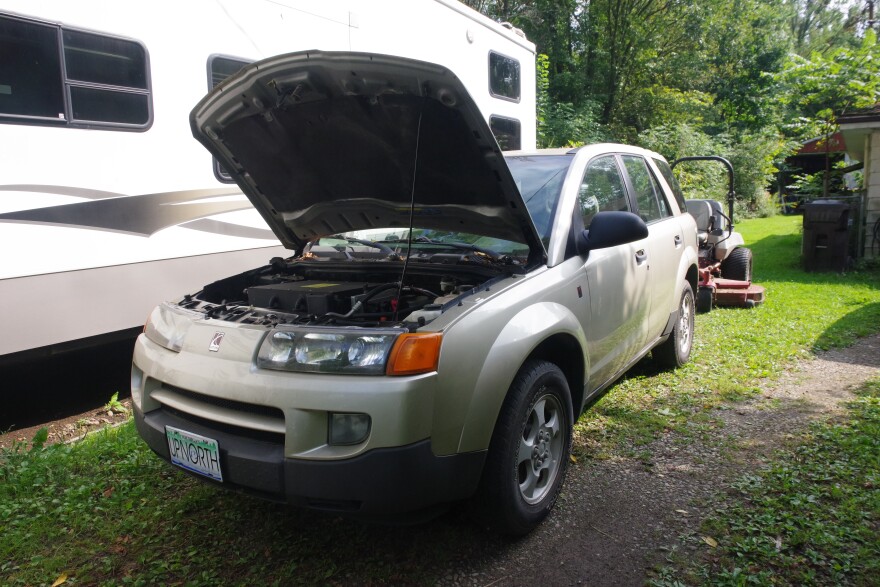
[{"x": 108, "y": 204}]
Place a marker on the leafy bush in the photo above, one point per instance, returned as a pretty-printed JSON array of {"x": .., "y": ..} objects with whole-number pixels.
[{"x": 752, "y": 155}]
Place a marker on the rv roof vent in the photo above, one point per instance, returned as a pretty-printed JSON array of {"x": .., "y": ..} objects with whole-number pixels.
[{"x": 515, "y": 30}]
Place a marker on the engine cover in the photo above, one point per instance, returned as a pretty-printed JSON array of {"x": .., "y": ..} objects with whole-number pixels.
[{"x": 311, "y": 297}]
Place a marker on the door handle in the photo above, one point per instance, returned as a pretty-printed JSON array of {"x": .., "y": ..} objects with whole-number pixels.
[
  {"x": 641, "y": 256},
  {"x": 677, "y": 240}
]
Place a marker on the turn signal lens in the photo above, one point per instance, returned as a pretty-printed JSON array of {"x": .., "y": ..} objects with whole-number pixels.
[{"x": 415, "y": 353}]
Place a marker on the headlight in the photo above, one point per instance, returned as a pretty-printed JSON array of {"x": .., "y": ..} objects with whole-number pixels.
[
  {"x": 168, "y": 324},
  {"x": 327, "y": 350}
]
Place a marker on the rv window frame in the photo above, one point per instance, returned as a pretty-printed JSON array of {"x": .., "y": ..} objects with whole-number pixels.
[
  {"x": 492, "y": 93},
  {"x": 69, "y": 121},
  {"x": 220, "y": 173}
]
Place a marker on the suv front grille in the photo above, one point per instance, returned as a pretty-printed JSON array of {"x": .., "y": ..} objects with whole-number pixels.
[
  {"x": 229, "y": 404},
  {"x": 259, "y": 422}
]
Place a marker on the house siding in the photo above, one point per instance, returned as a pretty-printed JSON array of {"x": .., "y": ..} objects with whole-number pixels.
[{"x": 872, "y": 189}]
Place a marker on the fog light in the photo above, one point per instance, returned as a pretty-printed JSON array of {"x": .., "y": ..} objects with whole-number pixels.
[{"x": 348, "y": 428}]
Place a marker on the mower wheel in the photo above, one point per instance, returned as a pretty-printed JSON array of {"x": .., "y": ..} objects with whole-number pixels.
[
  {"x": 737, "y": 265},
  {"x": 676, "y": 350},
  {"x": 704, "y": 300}
]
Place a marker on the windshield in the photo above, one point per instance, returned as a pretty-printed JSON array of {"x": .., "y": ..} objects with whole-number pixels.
[{"x": 539, "y": 179}]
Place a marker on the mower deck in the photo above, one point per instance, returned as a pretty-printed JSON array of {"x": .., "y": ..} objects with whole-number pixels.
[{"x": 745, "y": 294}]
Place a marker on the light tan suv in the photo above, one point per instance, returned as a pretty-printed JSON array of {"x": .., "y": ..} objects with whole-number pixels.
[{"x": 446, "y": 314}]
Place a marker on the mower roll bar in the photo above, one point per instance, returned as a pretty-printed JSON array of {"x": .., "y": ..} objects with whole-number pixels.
[{"x": 731, "y": 194}]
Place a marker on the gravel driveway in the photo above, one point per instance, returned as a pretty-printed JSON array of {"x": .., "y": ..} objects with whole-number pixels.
[{"x": 655, "y": 505}]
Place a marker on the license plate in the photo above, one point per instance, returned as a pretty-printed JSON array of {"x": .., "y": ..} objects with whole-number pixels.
[{"x": 194, "y": 452}]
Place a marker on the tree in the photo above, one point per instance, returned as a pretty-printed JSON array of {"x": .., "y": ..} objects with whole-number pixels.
[
  {"x": 821, "y": 26},
  {"x": 817, "y": 91}
]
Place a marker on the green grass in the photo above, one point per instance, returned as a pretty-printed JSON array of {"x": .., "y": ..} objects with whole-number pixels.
[
  {"x": 812, "y": 518},
  {"x": 106, "y": 511},
  {"x": 736, "y": 351}
]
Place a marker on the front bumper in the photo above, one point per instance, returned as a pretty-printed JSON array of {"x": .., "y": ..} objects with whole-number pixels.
[{"x": 380, "y": 482}]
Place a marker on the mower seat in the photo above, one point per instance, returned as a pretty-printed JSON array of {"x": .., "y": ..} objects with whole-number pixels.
[{"x": 701, "y": 210}]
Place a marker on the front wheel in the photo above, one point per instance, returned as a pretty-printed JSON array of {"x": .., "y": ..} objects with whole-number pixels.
[
  {"x": 529, "y": 452},
  {"x": 676, "y": 350},
  {"x": 705, "y": 299}
]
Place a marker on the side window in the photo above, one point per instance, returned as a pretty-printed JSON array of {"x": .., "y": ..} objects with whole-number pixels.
[
  {"x": 220, "y": 68},
  {"x": 504, "y": 77},
  {"x": 102, "y": 80},
  {"x": 601, "y": 189},
  {"x": 665, "y": 209},
  {"x": 506, "y": 131},
  {"x": 666, "y": 172},
  {"x": 30, "y": 71},
  {"x": 651, "y": 208}
]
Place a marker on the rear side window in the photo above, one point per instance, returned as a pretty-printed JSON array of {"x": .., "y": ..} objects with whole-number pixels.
[
  {"x": 602, "y": 189},
  {"x": 666, "y": 172},
  {"x": 102, "y": 81},
  {"x": 220, "y": 68},
  {"x": 507, "y": 132},
  {"x": 652, "y": 205},
  {"x": 504, "y": 78}
]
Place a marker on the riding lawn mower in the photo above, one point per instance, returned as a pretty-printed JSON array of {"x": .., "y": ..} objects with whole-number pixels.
[{"x": 725, "y": 263}]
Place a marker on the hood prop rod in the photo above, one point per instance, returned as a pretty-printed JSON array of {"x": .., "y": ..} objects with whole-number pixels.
[{"x": 412, "y": 210}]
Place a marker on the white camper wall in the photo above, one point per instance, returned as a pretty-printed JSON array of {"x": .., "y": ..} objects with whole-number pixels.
[{"x": 85, "y": 249}]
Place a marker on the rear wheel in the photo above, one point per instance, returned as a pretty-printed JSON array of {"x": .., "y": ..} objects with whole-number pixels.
[
  {"x": 676, "y": 350},
  {"x": 529, "y": 452},
  {"x": 737, "y": 265}
]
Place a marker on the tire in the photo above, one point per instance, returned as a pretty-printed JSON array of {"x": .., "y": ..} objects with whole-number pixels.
[
  {"x": 704, "y": 300},
  {"x": 676, "y": 350},
  {"x": 529, "y": 452},
  {"x": 737, "y": 265}
]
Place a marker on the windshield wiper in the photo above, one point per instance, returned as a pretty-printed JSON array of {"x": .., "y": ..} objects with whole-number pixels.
[
  {"x": 359, "y": 241},
  {"x": 493, "y": 255}
]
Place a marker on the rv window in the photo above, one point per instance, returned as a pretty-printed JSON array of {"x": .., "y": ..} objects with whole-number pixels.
[
  {"x": 102, "y": 82},
  {"x": 30, "y": 71},
  {"x": 103, "y": 60},
  {"x": 506, "y": 131},
  {"x": 220, "y": 68},
  {"x": 503, "y": 77},
  {"x": 120, "y": 67}
]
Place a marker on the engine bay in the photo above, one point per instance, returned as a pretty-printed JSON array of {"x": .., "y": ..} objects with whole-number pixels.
[{"x": 342, "y": 292}]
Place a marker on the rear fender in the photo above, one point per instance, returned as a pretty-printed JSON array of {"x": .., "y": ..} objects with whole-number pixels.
[{"x": 726, "y": 245}]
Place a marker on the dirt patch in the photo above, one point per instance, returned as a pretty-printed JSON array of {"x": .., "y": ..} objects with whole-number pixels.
[{"x": 72, "y": 427}]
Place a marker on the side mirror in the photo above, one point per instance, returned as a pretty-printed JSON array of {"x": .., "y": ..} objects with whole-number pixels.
[{"x": 609, "y": 229}]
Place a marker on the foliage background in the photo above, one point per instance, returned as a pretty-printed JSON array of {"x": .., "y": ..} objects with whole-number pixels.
[{"x": 749, "y": 80}]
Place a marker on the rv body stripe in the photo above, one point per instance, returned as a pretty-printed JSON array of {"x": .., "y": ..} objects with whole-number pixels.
[{"x": 142, "y": 215}]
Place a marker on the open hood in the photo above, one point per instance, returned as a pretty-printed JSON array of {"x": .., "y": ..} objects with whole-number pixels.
[{"x": 324, "y": 143}]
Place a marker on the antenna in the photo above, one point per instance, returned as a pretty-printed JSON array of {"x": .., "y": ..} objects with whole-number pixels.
[{"x": 412, "y": 208}]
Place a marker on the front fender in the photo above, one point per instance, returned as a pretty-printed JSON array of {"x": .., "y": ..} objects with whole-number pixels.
[{"x": 522, "y": 334}]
